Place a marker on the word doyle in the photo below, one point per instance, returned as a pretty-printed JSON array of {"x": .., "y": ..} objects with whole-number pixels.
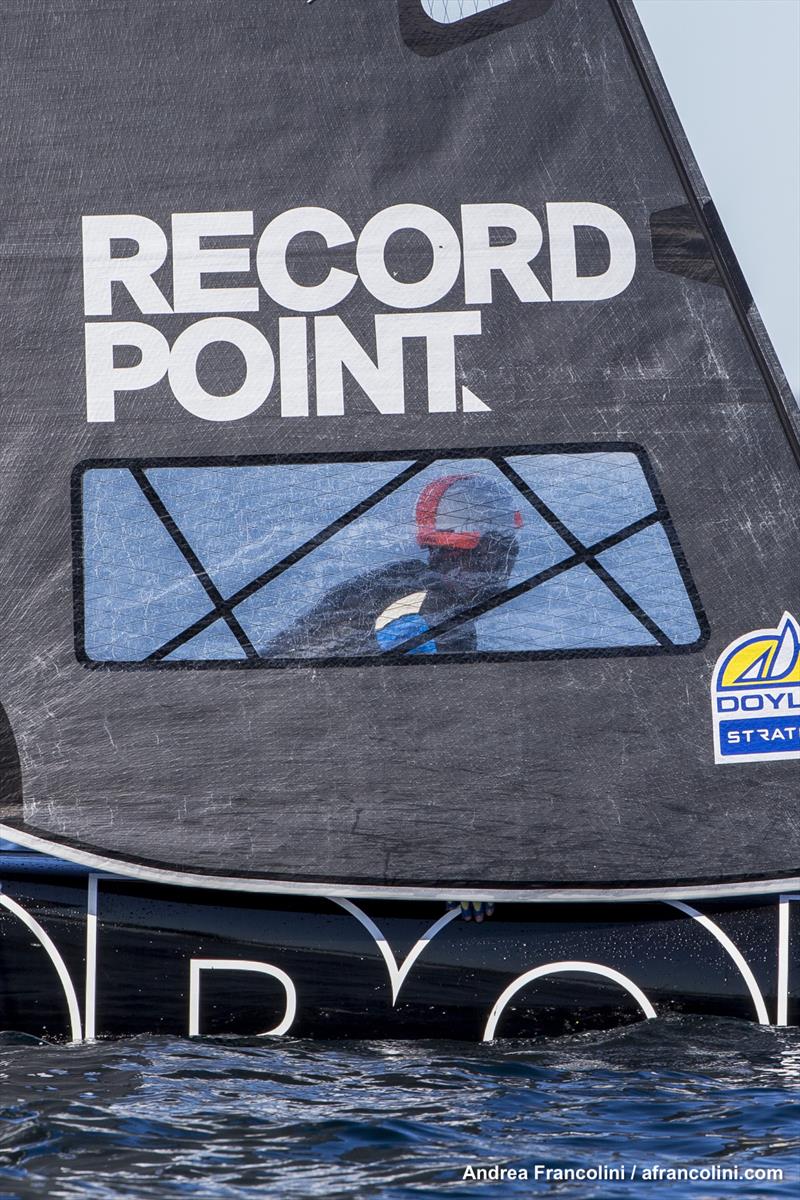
[{"x": 472, "y": 253}]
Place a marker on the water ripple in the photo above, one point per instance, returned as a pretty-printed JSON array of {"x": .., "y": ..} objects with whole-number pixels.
[{"x": 156, "y": 1118}]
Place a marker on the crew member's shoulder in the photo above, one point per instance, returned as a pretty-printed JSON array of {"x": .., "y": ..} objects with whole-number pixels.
[{"x": 412, "y": 572}]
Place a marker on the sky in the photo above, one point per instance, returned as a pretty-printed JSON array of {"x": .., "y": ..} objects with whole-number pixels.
[{"x": 732, "y": 69}]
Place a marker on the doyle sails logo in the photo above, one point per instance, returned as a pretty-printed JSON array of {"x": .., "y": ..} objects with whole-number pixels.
[
  {"x": 755, "y": 694},
  {"x": 295, "y": 365}
]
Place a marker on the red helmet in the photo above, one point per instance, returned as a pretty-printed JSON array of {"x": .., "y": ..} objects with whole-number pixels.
[{"x": 456, "y": 511}]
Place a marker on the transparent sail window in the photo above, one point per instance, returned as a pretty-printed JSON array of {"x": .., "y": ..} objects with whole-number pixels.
[
  {"x": 447, "y": 12},
  {"x": 535, "y": 552}
]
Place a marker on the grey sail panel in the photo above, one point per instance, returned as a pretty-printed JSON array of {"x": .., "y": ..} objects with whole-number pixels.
[{"x": 454, "y": 541}]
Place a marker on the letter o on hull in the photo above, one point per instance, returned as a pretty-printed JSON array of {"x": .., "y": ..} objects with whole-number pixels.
[{"x": 561, "y": 968}]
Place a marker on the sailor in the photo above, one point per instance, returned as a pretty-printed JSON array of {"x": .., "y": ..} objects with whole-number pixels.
[
  {"x": 472, "y": 910},
  {"x": 467, "y": 524}
]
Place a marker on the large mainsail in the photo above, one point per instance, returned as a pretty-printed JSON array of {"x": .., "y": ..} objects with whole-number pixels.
[{"x": 398, "y": 487}]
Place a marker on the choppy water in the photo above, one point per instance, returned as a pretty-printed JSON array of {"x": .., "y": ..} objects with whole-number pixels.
[{"x": 155, "y": 1117}]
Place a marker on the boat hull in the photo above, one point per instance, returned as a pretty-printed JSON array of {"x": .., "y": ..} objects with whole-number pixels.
[{"x": 85, "y": 955}]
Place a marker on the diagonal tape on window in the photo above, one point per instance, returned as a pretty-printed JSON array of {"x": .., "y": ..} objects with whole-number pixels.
[
  {"x": 536, "y": 552},
  {"x": 431, "y": 27}
]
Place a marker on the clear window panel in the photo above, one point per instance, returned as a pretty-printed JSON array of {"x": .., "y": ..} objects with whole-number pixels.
[
  {"x": 447, "y": 12},
  {"x": 533, "y": 552}
]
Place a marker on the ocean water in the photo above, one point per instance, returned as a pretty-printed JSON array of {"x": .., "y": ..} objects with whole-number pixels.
[{"x": 160, "y": 1118}]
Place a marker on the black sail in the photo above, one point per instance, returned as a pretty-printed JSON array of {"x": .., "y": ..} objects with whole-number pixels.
[{"x": 454, "y": 542}]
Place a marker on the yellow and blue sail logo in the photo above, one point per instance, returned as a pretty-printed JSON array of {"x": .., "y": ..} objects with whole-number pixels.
[{"x": 755, "y": 696}]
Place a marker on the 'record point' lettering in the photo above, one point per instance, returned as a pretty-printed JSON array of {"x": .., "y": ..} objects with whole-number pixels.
[{"x": 471, "y": 262}]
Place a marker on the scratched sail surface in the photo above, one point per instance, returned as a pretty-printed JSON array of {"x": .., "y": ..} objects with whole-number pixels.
[{"x": 398, "y": 487}]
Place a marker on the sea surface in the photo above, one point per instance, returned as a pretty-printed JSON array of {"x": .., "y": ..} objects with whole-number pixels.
[{"x": 155, "y": 1117}]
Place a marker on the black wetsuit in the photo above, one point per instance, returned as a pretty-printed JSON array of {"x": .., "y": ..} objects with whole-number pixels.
[{"x": 344, "y": 621}]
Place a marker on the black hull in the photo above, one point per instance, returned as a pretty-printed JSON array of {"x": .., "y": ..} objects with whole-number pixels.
[{"x": 176, "y": 960}]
